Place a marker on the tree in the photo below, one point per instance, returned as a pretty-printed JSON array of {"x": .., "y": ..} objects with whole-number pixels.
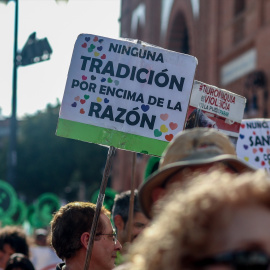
[{"x": 48, "y": 163}]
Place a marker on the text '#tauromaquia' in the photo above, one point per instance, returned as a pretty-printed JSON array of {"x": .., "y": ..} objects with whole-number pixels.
[{"x": 141, "y": 75}]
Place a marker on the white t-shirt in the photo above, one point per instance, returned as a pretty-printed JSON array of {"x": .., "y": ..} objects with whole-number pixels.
[{"x": 43, "y": 257}]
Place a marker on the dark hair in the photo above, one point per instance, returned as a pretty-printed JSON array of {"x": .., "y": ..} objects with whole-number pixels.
[
  {"x": 16, "y": 238},
  {"x": 121, "y": 204},
  {"x": 19, "y": 261},
  {"x": 69, "y": 223}
]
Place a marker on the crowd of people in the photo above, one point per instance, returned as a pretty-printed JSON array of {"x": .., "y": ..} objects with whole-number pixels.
[
  {"x": 201, "y": 207},
  {"x": 18, "y": 251}
]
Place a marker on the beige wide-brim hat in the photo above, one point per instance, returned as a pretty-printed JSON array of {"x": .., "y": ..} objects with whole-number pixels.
[{"x": 198, "y": 146}]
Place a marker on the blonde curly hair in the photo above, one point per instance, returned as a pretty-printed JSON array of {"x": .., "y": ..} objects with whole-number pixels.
[{"x": 183, "y": 230}]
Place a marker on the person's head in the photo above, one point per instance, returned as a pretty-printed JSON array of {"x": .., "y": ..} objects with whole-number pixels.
[
  {"x": 70, "y": 233},
  {"x": 220, "y": 219},
  {"x": 13, "y": 239},
  {"x": 120, "y": 213},
  {"x": 41, "y": 236},
  {"x": 195, "y": 149},
  {"x": 19, "y": 261}
]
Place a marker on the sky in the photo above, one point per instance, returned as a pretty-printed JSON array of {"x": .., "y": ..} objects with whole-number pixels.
[{"x": 44, "y": 82}]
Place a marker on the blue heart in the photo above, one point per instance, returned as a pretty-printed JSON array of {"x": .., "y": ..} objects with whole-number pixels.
[
  {"x": 99, "y": 48},
  {"x": 93, "y": 77},
  {"x": 103, "y": 80},
  {"x": 87, "y": 39},
  {"x": 106, "y": 100},
  {"x": 74, "y": 104},
  {"x": 242, "y": 136},
  {"x": 245, "y": 146},
  {"x": 100, "y": 41},
  {"x": 145, "y": 108}
]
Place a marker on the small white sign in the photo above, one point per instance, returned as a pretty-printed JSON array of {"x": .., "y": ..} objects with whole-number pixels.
[
  {"x": 253, "y": 144},
  {"x": 217, "y": 108}
]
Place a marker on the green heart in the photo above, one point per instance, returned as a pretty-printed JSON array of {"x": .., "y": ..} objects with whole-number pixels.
[
  {"x": 92, "y": 46},
  {"x": 157, "y": 133},
  {"x": 110, "y": 80},
  {"x": 86, "y": 96},
  {"x": 90, "y": 50},
  {"x": 257, "y": 159}
]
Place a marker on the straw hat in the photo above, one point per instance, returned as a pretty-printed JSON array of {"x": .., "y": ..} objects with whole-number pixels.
[{"x": 192, "y": 147}]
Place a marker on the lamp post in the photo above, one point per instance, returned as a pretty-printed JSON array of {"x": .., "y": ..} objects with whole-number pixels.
[
  {"x": 12, "y": 153},
  {"x": 24, "y": 58}
]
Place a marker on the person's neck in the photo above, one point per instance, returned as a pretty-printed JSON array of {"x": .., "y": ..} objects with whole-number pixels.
[{"x": 75, "y": 263}]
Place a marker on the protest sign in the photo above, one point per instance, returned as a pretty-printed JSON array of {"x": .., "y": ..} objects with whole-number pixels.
[
  {"x": 253, "y": 144},
  {"x": 217, "y": 108},
  {"x": 125, "y": 93}
]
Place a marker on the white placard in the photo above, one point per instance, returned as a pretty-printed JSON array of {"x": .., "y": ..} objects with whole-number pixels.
[
  {"x": 253, "y": 144},
  {"x": 128, "y": 86}
]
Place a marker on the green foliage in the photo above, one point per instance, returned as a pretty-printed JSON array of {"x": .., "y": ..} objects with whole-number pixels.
[{"x": 48, "y": 163}]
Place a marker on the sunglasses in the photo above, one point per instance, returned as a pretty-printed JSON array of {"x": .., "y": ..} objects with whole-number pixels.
[{"x": 238, "y": 260}]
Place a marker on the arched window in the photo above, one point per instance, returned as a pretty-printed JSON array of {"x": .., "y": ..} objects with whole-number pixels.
[
  {"x": 179, "y": 38},
  {"x": 239, "y": 6},
  {"x": 239, "y": 25},
  {"x": 256, "y": 93},
  {"x": 139, "y": 34}
]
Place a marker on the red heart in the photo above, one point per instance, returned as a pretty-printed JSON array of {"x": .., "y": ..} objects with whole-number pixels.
[
  {"x": 95, "y": 39},
  {"x": 164, "y": 116},
  {"x": 242, "y": 125},
  {"x": 254, "y": 150},
  {"x": 84, "y": 77},
  {"x": 263, "y": 163},
  {"x": 82, "y": 111},
  {"x": 82, "y": 101},
  {"x": 267, "y": 132},
  {"x": 261, "y": 149},
  {"x": 173, "y": 125},
  {"x": 103, "y": 56},
  {"x": 84, "y": 45},
  {"x": 254, "y": 133},
  {"x": 169, "y": 137}
]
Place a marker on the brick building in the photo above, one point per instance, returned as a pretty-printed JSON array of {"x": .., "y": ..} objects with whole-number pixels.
[{"x": 230, "y": 38}]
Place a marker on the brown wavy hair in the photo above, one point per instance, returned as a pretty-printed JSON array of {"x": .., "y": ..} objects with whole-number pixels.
[
  {"x": 69, "y": 223},
  {"x": 183, "y": 231}
]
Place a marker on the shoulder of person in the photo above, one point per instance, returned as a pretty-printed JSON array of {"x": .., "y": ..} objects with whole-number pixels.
[{"x": 124, "y": 266}]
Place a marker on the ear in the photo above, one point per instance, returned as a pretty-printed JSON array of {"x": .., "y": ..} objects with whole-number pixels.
[
  {"x": 119, "y": 222},
  {"x": 158, "y": 193},
  {"x": 85, "y": 239}
]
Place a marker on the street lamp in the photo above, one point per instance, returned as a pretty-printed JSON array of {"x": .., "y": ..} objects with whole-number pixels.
[
  {"x": 12, "y": 154},
  {"x": 34, "y": 51}
]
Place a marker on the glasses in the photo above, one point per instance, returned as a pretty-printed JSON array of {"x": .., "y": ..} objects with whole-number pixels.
[
  {"x": 112, "y": 236},
  {"x": 238, "y": 260}
]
